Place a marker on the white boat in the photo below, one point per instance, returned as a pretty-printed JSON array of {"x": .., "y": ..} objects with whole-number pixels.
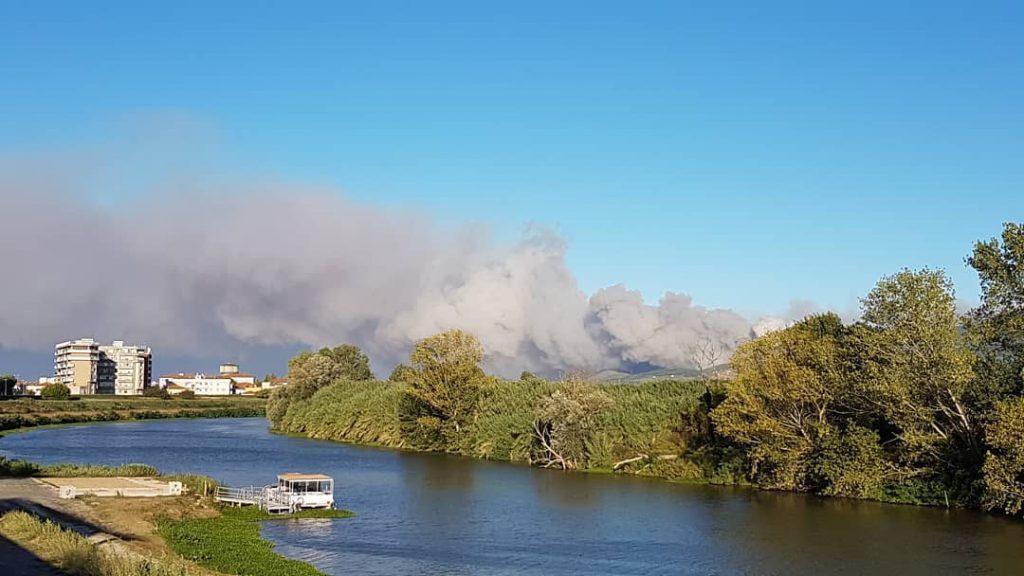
[{"x": 304, "y": 490}]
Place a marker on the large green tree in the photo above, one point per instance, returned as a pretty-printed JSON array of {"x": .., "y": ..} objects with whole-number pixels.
[
  {"x": 780, "y": 403},
  {"x": 444, "y": 385},
  {"x": 996, "y": 326},
  {"x": 309, "y": 372},
  {"x": 917, "y": 368}
]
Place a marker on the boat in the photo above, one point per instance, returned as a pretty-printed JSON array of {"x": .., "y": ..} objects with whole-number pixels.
[{"x": 302, "y": 491}]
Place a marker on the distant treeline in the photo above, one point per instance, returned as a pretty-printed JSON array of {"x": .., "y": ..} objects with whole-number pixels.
[
  {"x": 25, "y": 413},
  {"x": 913, "y": 403}
]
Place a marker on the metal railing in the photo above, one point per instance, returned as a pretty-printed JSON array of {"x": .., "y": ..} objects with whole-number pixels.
[{"x": 266, "y": 497}]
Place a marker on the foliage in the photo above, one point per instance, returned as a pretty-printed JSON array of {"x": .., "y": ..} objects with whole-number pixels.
[
  {"x": 445, "y": 386},
  {"x": 231, "y": 542},
  {"x": 28, "y": 412},
  {"x": 56, "y": 392},
  {"x": 186, "y": 395},
  {"x": 1004, "y": 464},
  {"x": 780, "y": 403},
  {"x": 23, "y": 468},
  {"x": 918, "y": 367},
  {"x": 76, "y": 555},
  {"x": 997, "y": 326},
  {"x": 309, "y": 372},
  {"x": 363, "y": 412},
  {"x": 851, "y": 463},
  {"x": 566, "y": 421},
  {"x": 155, "y": 392},
  {"x": 401, "y": 373},
  {"x": 911, "y": 404},
  {"x": 8, "y": 382}
]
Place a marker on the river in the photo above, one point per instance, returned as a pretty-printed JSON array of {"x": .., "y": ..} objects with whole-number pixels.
[{"x": 432, "y": 514}]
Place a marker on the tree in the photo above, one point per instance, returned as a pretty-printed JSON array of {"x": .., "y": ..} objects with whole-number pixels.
[
  {"x": 996, "y": 327},
  {"x": 401, "y": 373},
  {"x": 1004, "y": 464},
  {"x": 309, "y": 372},
  {"x": 186, "y": 395},
  {"x": 780, "y": 404},
  {"x": 918, "y": 367},
  {"x": 56, "y": 392},
  {"x": 8, "y": 384},
  {"x": 566, "y": 420},
  {"x": 445, "y": 384},
  {"x": 351, "y": 362}
]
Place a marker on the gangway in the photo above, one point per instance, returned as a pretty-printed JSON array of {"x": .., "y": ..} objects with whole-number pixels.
[
  {"x": 293, "y": 492},
  {"x": 265, "y": 497}
]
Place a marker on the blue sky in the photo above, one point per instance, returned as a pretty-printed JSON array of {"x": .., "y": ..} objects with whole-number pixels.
[{"x": 743, "y": 153}]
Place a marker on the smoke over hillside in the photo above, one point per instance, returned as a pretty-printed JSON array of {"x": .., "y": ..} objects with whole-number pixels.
[{"x": 188, "y": 270}]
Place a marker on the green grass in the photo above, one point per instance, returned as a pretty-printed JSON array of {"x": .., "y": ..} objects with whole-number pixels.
[
  {"x": 75, "y": 555},
  {"x": 24, "y": 468},
  {"x": 231, "y": 543}
]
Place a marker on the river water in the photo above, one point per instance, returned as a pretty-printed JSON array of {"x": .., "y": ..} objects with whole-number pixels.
[{"x": 432, "y": 514}]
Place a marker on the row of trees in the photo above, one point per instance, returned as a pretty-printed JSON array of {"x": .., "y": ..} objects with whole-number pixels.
[{"x": 912, "y": 403}]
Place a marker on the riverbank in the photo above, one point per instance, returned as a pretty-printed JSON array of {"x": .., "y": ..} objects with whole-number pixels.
[
  {"x": 181, "y": 535},
  {"x": 26, "y": 413}
]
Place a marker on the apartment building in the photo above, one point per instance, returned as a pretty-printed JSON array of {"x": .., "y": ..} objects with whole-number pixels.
[
  {"x": 123, "y": 369},
  {"x": 86, "y": 367},
  {"x": 76, "y": 363}
]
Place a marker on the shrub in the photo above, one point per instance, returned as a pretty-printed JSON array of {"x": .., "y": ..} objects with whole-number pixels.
[
  {"x": 56, "y": 392},
  {"x": 186, "y": 395},
  {"x": 155, "y": 392}
]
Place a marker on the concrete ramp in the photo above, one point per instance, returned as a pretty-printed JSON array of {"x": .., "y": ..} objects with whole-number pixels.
[{"x": 69, "y": 488}]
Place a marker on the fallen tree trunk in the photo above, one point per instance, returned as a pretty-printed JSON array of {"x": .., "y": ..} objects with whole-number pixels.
[{"x": 643, "y": 457}]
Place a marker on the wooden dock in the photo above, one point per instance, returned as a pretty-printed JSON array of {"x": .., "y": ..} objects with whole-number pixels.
[{"x": 266, "y": 498}]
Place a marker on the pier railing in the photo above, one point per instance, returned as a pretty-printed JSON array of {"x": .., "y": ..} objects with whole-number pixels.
[{"x": 266, "y": 497}]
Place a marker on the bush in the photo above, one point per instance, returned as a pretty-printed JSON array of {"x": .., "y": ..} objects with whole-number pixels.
[
  {"x": 155, "y": 392},
  {"x": 56, "y": 392},
  {"x": 186, "y": 395}
]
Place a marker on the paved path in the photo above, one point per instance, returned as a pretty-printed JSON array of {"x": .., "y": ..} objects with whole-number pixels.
[{"x": 41, "y": 500}]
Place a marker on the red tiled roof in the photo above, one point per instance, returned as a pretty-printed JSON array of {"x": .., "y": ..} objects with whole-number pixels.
[
  {"x": 179, "y": 375},
  {"x": 173, "y": 386}
]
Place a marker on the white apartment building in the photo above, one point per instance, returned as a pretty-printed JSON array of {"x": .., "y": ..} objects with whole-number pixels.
[
  {"x": 86, "y": 367},
  {"x": 124, "y": 369},
  {"x": 75, "y": 365}
]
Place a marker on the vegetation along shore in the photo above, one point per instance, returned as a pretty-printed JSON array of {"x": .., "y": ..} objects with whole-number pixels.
[
  {"x": 163, "y": 536},
  {"x": 31, "y": 412},
  {"x": 911, "y": 403}
]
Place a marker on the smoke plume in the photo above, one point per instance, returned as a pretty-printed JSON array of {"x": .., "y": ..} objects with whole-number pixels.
[{"x": 187, "y": 269}]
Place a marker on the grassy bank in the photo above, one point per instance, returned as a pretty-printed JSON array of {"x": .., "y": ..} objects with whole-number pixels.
[
  {"x": 28, "y": 413},
  {"x": 643, "y": 423},
  {"x": 231, "y": 542},
  {"x": 73, "y": 554},
  {"x": 24, "y": 469}
]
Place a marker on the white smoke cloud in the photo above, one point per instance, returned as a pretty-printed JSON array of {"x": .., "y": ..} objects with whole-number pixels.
[{"x": 187, "y": 269}]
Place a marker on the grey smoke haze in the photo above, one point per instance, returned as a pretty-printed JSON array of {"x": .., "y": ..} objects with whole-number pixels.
[{"x": 189, "y": 269}]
